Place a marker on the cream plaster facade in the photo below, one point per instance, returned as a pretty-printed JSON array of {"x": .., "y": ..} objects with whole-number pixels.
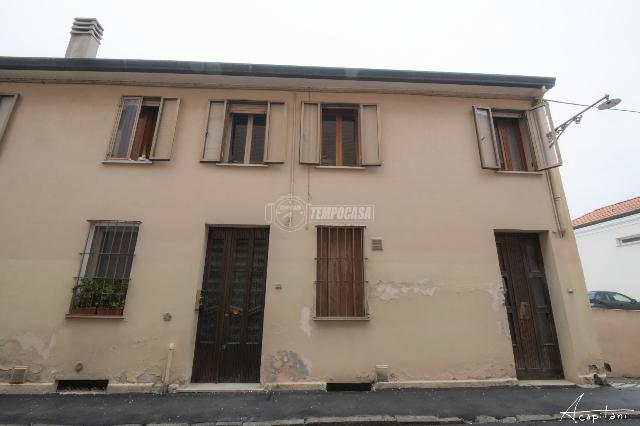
[{"x": 435, "y": 297}]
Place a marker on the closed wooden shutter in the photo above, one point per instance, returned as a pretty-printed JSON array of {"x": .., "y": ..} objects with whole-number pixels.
[
  {"x": 214, "y": 133},
  {"x": 340, "y": 285},
  {"x": 310, "y": 134},
  {"x": 276, "y": 133},
  {"x": 164, "y": 137},
  {"x": 370, "y": 136},
  {"x": 487, "y": 145},
  {"x": 7, "y": 102},
  {"x": 543, "y": 137}
]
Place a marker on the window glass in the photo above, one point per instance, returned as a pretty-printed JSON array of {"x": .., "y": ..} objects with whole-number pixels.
[
  {"x": 238, "y": 137},
  {"x": 257, "y": 139},
  {"x": 328, "y": 139},
  {"x": 510, "y": 143},
  {"x": 620, "y": 298},
  {"x": 349, "y": 141},
  {"x": 125, "y": 128}
]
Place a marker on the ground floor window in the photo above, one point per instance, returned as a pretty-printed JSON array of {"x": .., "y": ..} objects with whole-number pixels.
[
  {"x": 340, "y": 283},
  {"x": 101, "y": 286}
]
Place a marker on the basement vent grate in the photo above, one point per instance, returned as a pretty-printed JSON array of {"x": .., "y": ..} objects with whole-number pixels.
[
  {"x": 18, "y": 375},
  {"x": 348, "y": 387},
  {"x": 82, "y": 385},
  {"x": 376, "y": 243}
]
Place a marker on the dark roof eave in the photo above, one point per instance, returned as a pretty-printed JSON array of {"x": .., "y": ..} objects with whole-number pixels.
[{"x": 279, "y": 71}]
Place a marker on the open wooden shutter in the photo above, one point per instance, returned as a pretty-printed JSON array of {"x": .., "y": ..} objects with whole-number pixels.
[
  {"x": 164, "y": 136},
  {"x": 310, "y": 134},
  {"x": 7, "y": 102},
  {"x": 214, "y": 132},
  {"x": 487, "y": 145},
  {"x": 276, "y": 143},
  {"x": 543, "y": 137},
  {"x": 370, "y": 154}
]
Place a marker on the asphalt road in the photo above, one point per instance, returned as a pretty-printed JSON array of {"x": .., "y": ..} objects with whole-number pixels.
[{"x": 194, "y": 408}]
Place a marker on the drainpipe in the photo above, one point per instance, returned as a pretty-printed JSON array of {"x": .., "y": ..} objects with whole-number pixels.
[
  {"x": 555, "y": 200},
  {"x": 167, "y": 369}
]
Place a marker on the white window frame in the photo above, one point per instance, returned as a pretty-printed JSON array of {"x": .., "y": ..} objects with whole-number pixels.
[
  {"x": 622, "y": 243},
  {"x": 247, "y": 142}
]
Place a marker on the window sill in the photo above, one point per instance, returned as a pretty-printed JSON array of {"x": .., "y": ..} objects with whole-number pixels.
[
  {"x": 514, "y": 172},
  {"x": 94, "y": 316},
  {"x": 342, "y": 167},
  {"x": 365, "y": 318},
  {"x": 126, "y": 162},
  {"x": 241, "y": 165}
]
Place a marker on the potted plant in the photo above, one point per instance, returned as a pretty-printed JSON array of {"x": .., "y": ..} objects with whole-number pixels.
[
  {"x": 111, "y": 301},
  {"x": 84, "y": 298}
]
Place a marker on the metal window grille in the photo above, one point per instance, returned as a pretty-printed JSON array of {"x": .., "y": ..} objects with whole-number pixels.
[
  {"x": 340, "y": 280},
  {"x": 101, "y": 286}
]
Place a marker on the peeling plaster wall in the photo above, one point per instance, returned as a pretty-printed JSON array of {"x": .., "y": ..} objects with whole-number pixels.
[{"x": 434, "y": 292}]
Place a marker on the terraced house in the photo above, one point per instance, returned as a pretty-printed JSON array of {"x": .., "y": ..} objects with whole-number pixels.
[{"x": 169, "y": 224}]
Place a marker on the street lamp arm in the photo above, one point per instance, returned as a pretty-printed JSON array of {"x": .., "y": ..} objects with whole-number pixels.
[{"x": 576, "y": 118}]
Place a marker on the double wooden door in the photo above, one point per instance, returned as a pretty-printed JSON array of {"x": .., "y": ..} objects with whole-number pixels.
[
  {"x": 533, "y": 333},
  {"x": 231, "y": 306}
]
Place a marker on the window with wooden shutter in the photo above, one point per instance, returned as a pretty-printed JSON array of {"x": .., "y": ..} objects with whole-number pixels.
[
  {"x": 7, "y": 103},
  {"x": 245, "y": 132},
  {"x": 340, "y": 282},
  {"x": 518, "y": 141},
  {"x": 145, "y": 129}
]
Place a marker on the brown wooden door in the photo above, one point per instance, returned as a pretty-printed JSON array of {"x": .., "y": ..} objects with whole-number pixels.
[
  {"x": 229, "y": 334},
  {"x": 533, "y": 333}
]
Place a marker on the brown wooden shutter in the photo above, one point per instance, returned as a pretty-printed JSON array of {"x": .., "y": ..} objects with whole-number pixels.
[
  {"x": 543, "y": 137},
  {"x": 276, "y": 143},
  {"x": 164, "y": 136},
  {"x": 340, "y": 286},
  {"x": 214, "y": 131},
  {"x": 310, "y": 134},
  {"x": 370, "y": 150},
  {"x": 487, "y": 144},
  {"x": 248, "y": 107},
  {"x": 7, "y": 103}
]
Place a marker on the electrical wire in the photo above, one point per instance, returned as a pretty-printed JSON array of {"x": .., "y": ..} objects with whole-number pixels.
[{"x": 585, "y": 105}]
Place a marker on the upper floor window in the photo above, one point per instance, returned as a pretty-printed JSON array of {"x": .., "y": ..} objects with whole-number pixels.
[
  {"x": 516, "y": 140},
  {"x": 340, "y": 135},
  {"x": 628, "y": 240},
  {"x": 145, "y": 129},
  {"x": 243, "y": 132},
  {"x": 101, "y": 287},
  {"x": 7, "y": 102}
]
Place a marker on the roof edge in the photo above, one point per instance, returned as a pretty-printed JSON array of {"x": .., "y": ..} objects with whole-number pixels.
[
  {"x": 606, "y": 219},
  {"x": 264, "y": 70}
]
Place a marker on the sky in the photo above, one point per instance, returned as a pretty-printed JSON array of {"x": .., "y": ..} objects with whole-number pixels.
[{"x": 591, "y": 47}]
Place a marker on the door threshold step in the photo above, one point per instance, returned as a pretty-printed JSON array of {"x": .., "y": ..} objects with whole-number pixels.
[
  {"x": 221, "y": 387},
  {"x": 544, "y": 383}
]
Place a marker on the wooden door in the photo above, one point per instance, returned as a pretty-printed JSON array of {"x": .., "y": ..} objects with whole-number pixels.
[
  {"x": 533, "y": 333},
  {"x": 229, "y": 334}
]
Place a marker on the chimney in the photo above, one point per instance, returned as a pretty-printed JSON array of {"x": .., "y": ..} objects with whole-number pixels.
[{"x": 86, "y": 34}]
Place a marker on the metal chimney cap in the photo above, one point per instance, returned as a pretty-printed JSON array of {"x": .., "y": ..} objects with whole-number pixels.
[{"x": 88, "y": 26}]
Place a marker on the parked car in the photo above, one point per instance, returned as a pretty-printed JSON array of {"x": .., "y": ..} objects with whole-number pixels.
[{"x": 612, "y": 300}]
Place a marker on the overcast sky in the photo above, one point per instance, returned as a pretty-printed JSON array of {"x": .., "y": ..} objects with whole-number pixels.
[{"x": 592, "y": 47}]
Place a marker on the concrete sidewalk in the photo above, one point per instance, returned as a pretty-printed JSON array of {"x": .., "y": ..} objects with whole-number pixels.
[{"x": 407, "y": 406}]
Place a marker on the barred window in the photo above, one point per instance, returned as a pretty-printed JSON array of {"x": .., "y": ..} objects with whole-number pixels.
[
  {"x": 340, "y": 284},
  {"x": 101, "y": 287}
]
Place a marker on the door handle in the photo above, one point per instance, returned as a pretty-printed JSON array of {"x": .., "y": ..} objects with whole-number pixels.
[{"x": 199, "y": 299}]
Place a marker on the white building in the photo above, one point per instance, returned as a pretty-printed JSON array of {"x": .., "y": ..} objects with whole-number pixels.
[{"x": 609, "y": 244}]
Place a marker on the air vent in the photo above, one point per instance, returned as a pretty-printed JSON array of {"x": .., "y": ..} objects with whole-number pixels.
[
  {"x": 376, "y": 243},
  {"x": 82, "y": 385},
  {"x": 348, "y": 387},
  {"x": 18, "y": 374}
]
